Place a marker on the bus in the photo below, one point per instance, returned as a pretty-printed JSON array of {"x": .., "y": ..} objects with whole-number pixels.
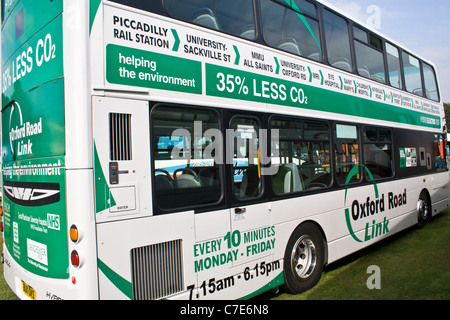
[{"x": 206, "y": 149}]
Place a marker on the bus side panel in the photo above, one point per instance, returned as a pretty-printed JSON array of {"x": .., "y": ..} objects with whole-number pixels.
[{"x": 127, "y": 246}]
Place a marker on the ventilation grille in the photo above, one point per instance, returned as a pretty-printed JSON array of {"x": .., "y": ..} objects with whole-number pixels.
[
  {"x": 157, "y": 270},
  {"x": 120, "y": 136}
]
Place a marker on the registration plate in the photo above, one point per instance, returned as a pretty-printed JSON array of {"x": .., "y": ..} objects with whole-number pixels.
[{"x": 29, "y": 291}]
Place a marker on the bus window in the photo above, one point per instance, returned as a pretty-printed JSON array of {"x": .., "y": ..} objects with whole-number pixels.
[
  {"x": 337, "y": 40},
  {"x": 303, "y": 156},
  {"x": 411, "y": 70},
  {"x": 431, "y": 91},
  {"x": 293, "y": 28},
  {"x": 393, "y": 61},
  {"x": 439, "y": 152},
  {"x": 186, "y": 173},
  {"x": 247, "y": 182},
  {"x": 369, "y": 57},
  {"x": 234, "y": 17},
  {"x": 378, "y": 153},
  {"x": 347, "y": 153}
]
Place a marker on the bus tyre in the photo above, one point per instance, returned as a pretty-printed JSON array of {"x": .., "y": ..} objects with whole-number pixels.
[
  {"x": 304, "y": 258},
  {"x": 423, "y": 210}
]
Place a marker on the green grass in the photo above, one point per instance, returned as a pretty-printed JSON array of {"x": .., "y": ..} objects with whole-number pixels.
[
  {"x": 5, "y": 291},
  {"x": 414, "y": 264}
]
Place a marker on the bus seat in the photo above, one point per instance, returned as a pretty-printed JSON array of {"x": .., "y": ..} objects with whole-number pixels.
[
  {"x": 205, "y": 17},
  {"x": 297, "y": 183},
  {"x": 248, "y": 33},
  {"x": 209, "y": 176},
  {"x": 187, "y": 181},
  {"x": 287, "y": 179},
  {"x": 364, "y": 71},
  {"x": 251, "y": 183},
  {"x": 289, "y": 45},
  {"x": 342, "y": 64},
  {"x": 164, "y": 183},
  {"x": 282, "y": 180},
  {"x": 315, "y": 56}
]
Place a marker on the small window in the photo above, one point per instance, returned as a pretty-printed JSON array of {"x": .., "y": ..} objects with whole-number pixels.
[
  {"x": 303, "y": 156},
  {"x": 360, "y": 34},
  {"x": 19, "y": 27},
  {"x": 411, "y": 70},
  {"x": 369, "y": 57},
  {"x": 337, "y": 40},
  {"x": 378, "y": 153},
  {"x": 235, "y": 17},
  {"x": 186, "y": 157},
  {"x": 439, "y": 152},
  {"x": 292, "y": 26},
  {"x": 347, "y": 153},
  {"x": 431, "y": 89},
  {"x": 393, "y": 60},
  {"x": 247, "y": 181}
]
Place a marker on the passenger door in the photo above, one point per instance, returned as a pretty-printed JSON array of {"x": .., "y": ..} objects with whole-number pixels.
[
  {"x": 251, "y": 223},
  {"x": 122, "y": 158}
]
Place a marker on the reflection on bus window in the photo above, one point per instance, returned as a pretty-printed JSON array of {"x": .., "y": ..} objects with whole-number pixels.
[
  {"x": 304, "y": 156},
  {"x": 186, "y": 173},
  {"x": 439, "y": 152},
  {"x": 393, "y": 63},
  {"x": 431, "y": 91},
  {"x": 337, "y": 39},
  {"x": 247, "y": 182},
  {"x": 231, "y": 16},
  {"x": 369, "y": 55},
  {"x": 293, "y": 28},
  {"x": 378, "y": 153},
  {"x": 411, "y": 69},
  {"x": 347, "y": 153}
]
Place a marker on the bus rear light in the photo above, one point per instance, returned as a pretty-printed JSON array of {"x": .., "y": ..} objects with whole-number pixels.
[
  {"x": 74, "y": 235},
  {"x": 1, "y": 226},
  {"x": 75, "y": 259}
]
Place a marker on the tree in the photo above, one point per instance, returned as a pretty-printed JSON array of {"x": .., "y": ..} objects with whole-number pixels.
[{"x": 447, "y": 115}]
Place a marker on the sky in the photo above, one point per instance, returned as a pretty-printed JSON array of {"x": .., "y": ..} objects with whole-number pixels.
[{"x": 421, "y": 27}]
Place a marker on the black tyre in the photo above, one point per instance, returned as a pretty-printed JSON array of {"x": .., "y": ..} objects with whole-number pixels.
[
  {"x": 423, "y": 210},
  {"x": 304, "y": 258}
]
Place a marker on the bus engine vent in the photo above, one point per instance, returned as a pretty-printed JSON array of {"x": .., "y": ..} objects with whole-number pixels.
[
  {"x": 157, "y": 270},
  {"x": 120, "y": 136}
]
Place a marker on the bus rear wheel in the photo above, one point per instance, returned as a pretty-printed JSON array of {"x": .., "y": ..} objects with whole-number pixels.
[{"x": 304, "y": 259}]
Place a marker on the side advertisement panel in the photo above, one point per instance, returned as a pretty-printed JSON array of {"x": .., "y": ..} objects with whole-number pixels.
[
  {"x": 34, "y": 208},
  {"x": 33, "y": 137}
]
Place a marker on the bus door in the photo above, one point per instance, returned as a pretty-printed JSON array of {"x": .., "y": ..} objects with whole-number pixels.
[
  {"x": 251, "y": 228},
  {"x": 122, "y": 158}
]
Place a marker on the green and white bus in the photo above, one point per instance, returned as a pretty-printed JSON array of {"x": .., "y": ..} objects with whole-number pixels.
[{"x": 206, "y": 149}]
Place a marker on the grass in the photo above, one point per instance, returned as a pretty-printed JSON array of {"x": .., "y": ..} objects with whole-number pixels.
[{"x": 414, "y": 265}]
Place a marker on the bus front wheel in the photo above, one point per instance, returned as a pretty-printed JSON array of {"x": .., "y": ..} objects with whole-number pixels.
[
  {"x": 304, "y": 258},
  {"x": 423, "y": 209}
]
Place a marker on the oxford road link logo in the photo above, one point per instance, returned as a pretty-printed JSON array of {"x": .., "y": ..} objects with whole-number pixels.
[
  {"x": 32, "y": 194},
  {"x": 20, "y": 130},
  {"x": 365, "y": 213}
]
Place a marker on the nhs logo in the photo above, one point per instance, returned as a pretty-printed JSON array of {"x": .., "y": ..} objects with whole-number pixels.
[{"x": 53, "y": 221}]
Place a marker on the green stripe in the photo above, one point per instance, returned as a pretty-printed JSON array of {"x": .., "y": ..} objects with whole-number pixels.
[
  {"x": 94, "y": 5},
  {"x": 101, "y": 186},
  {"x": 299, "y": 12},
  {"x": 315, "y": 98},
  {"x": 276, "y": 282},
  {"x": 123, "y": 285}
]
